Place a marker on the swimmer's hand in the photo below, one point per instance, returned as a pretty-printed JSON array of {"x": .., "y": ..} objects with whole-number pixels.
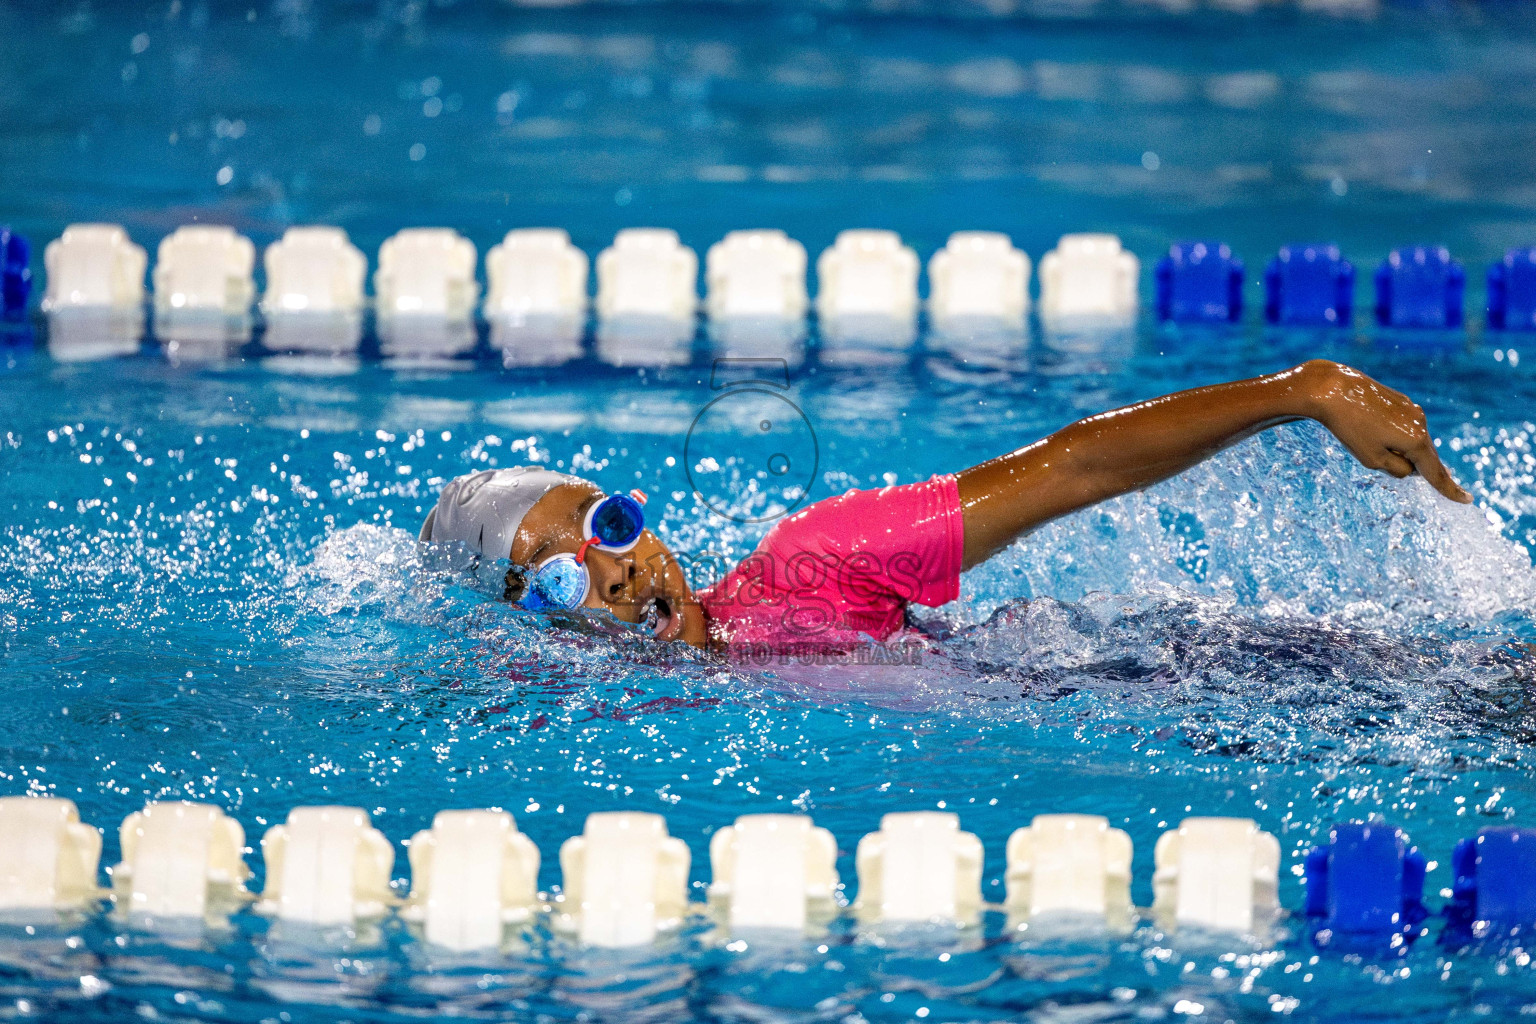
[{"x": 1384, "y": 429}]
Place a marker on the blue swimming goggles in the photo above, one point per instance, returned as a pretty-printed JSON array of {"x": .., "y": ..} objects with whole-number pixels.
[{"x": 562, "y": 581}]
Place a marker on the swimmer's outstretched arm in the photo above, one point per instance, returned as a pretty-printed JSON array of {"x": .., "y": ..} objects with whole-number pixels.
[{"x": 1137, "y": 446}]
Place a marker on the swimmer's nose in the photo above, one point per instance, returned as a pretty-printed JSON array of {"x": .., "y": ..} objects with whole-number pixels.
[
  {"x": 614, "y": 577},
  {"x": 617, "y": 588}
]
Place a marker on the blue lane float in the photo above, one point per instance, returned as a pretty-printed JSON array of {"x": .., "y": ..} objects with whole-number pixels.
[
  {"x": 15, "y": 273},
  {"x": 1420, "y": 286},
  {"x": 1309, "y": 285},
  {"x": 1494, "y": 886},
  {"x": 1366, "y": 885},
  {"x": 1512, "y": 292},
  {"x": 1200, "y": 282}
]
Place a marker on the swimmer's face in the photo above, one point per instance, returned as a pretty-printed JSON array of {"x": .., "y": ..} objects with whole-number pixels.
[{"x": 630, "y": 584}]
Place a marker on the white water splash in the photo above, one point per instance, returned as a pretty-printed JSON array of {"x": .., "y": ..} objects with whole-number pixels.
[
  {"x": 1285, "y": 524},
  {"x": 361, "y": 567}
]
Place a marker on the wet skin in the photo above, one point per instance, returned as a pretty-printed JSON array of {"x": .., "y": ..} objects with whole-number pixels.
[{"x": 1080, "y": 465}]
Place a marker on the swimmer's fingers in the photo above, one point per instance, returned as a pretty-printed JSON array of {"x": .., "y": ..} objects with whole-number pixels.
[
  {"x": 1427, "y": 462},
  {"x": 1393, "y": 464},
  {"x": 1424, "y": 461}
]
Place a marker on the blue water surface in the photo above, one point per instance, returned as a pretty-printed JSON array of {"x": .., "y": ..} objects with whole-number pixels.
[{"x": 210, "y": 588}]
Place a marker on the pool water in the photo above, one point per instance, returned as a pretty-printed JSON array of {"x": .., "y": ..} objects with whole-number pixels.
[{"x": 210, "y": 589}]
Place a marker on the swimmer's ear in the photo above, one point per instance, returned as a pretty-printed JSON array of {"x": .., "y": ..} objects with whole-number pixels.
[{"x": 516, "y": 587}]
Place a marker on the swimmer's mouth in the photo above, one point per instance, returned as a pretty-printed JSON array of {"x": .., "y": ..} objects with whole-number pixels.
[{"x": 660, "y": 618}]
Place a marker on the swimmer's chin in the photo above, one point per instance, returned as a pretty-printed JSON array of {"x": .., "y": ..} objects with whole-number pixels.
[{"x": 691, "y": 627}]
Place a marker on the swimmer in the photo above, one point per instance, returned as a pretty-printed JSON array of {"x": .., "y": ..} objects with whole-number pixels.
[{"x": 842, "y": 571}]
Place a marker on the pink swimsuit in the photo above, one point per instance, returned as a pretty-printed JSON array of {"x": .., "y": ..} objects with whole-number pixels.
[{"x": 843, "y": 571}]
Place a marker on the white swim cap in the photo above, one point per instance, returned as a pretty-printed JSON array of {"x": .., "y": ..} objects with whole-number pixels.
[{"x": 484, "y": 510}]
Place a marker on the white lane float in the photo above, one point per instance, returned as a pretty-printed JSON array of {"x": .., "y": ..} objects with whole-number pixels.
[
  {"x": 978, "y": 275},
  {"x": 1069, "y": 864},
  {"x": 535, "y": 272},
  {"x": 48, "y": 858},
  {"x": 773, "y": 871},
  {"x": 1089, "y": 276},
  {"x": 473, "y": 874},
  {"x": 314, "y": 270},
  {"x": 326, "y": 866},
  {"x": 205, "y": 269},
  {"x": 624, "y": 879},
  {"x": 647, "y": 297},
  {"x": 426, "y": 272},
  {"x": 866, "y": 300},
  {"x": 867, "y": 273},
  {"x": 757, "y": 274},
  {"x": 1220, "y": 874},
  {"x": 94, "y": 265},
  {"x": 919, "y": 868},
  {"x": 536, "y": 304},
  {"x": 647, "y": 272},
  {"x": 180, "y": 859}
]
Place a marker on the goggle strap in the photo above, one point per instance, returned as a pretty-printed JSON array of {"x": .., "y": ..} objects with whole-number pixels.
[{"x": 581, "y": 552}]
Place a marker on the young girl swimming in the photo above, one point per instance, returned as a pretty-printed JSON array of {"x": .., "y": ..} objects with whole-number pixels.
[{"x": 842, "y": 571}]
